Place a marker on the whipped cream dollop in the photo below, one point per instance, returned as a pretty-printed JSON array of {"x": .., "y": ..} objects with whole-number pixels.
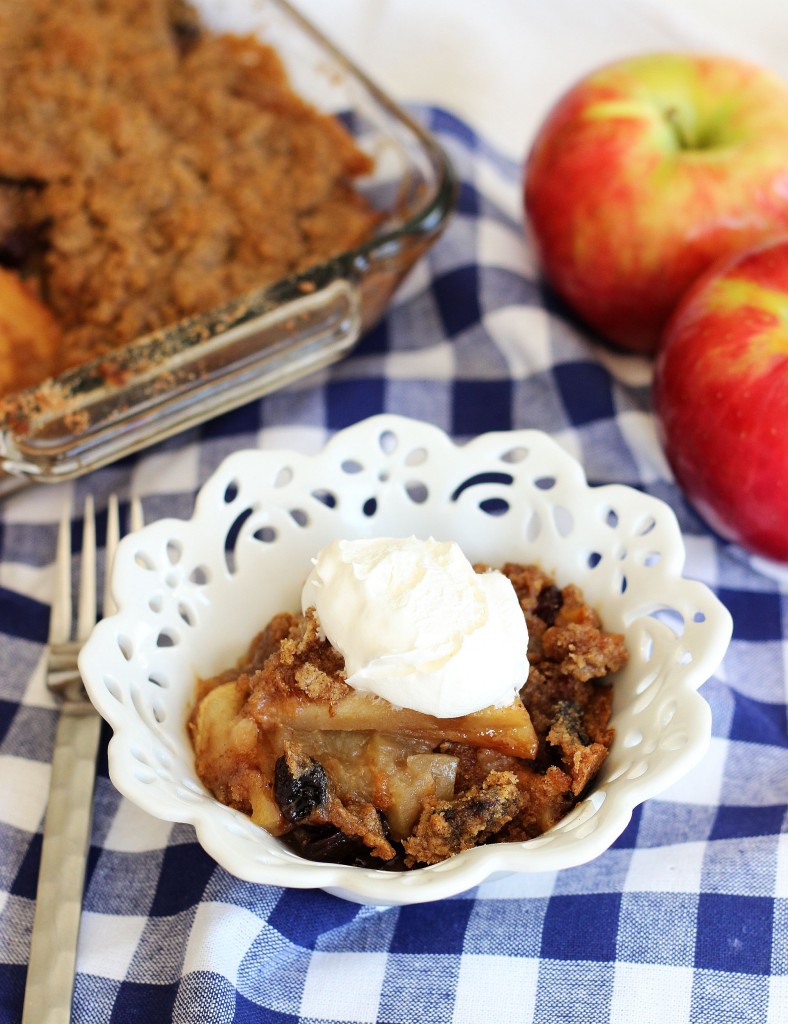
[{"x": 417, "y": 626}]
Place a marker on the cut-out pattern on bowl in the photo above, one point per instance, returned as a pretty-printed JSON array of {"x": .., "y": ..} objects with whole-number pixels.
[{"x": 191, "y": 594}]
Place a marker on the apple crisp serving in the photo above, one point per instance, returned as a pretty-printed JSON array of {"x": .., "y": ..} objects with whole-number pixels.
[
  {"x": 345, "y": 776},
  {"x": 151, "y": 169}
]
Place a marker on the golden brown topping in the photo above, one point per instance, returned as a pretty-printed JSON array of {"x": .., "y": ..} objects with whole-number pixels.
[
  {"x": 583, "y": 652},
  {"x": 546, "y": 800},
  {"x": 580, "y": 756},
  {"x": 448, "y": 827},
  {"x": 165, "y": 168}
]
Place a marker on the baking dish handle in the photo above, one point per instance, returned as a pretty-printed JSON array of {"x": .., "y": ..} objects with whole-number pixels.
[{"x": 254, "y": 356}]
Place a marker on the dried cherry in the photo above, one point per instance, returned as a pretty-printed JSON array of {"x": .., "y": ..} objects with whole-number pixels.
[
  {"x": 301, "y": 792},
  {"x": 549, "y": 604}
]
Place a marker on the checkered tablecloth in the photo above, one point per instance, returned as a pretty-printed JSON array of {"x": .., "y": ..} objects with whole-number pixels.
[{"x": 684, "y": 919}]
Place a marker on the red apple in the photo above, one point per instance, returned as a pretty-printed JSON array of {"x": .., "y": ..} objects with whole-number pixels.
[
  {"x": 721, "y": 397},
  {"x": 646, "y": 172}
]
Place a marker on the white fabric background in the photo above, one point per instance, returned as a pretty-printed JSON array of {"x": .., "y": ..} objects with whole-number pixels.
[{"x": 499, "y": 64}]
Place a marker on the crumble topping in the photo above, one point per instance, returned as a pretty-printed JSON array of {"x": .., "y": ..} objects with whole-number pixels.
[
  {"x": 451, "y": 826},
  {"x": 151, "y": 169}
]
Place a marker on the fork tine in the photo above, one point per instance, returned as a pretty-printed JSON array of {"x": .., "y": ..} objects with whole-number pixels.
[
  {"x": 137, "y": 518},
  {"x": 60, "y": 617},
  {"x": 86, "y": 619},
  {"x": 113, "y": 538}
]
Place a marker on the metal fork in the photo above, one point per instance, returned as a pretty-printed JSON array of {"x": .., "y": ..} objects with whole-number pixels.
[{"x": 53, "y": 949}]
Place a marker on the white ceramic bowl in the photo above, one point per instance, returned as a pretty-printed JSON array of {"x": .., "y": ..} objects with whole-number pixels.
[{"x": 192, "y": 593}]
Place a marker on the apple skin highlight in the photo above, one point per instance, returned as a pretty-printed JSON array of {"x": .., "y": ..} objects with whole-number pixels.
[
  {"x": 721, "y": 398},
  {"x": 645, "y": 173}
]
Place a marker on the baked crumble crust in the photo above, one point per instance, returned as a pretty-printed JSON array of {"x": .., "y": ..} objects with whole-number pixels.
[{"x": 151, "y": 169}]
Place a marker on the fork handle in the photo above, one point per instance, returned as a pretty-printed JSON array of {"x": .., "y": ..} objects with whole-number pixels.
[{"x": 61, "y": 881}]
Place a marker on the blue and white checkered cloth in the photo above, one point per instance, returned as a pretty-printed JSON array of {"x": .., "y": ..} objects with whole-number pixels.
[{"x": 684, "y": 919}]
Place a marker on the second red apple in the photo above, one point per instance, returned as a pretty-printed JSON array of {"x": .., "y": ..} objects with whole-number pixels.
[{"x": 721, "y": 397}]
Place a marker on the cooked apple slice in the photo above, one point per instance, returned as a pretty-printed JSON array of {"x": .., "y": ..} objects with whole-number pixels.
[
  {"x": 508, "y": 729},
  {"x": 29, "y": 336},
  {"x": 395, "y": 773},
  {"x": 229, "y": 760}
]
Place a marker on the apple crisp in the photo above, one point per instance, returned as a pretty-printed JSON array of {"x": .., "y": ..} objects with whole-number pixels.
[
  {"x": 151, "y": 169},
  {"x": 345, "y": 776}
]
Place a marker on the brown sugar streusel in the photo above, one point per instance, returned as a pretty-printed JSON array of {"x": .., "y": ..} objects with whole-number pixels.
[{"x": 151, "y": 169}]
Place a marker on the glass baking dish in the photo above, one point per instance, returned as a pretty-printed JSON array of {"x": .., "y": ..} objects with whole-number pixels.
[{"x": 192, "y": 370}]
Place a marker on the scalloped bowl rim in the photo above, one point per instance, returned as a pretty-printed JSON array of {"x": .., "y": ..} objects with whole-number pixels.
[{"x": 514, "y": 495}]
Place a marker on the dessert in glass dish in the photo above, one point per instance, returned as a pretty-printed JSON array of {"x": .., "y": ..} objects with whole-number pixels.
[
  {"x": 199, "y": 203},
  {"x": 152, "y": 169}
]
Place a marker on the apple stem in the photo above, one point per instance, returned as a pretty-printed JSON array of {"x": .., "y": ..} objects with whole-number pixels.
[{"x": 673, "y": 119}]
